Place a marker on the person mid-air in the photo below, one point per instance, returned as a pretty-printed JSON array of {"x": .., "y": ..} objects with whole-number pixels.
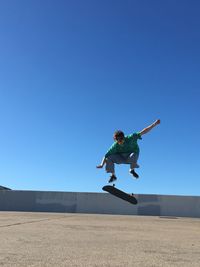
[{"x": 125, "y": 150}]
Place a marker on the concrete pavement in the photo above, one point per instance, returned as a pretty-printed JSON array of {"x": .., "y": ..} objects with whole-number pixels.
[{"x": 71, "y": 239}]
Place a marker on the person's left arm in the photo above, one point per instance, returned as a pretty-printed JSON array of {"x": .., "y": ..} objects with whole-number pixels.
[{"x": 147, "y": 129}]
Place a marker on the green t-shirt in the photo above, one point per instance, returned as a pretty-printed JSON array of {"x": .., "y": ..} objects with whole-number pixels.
[{"x": 129, "y": 146}]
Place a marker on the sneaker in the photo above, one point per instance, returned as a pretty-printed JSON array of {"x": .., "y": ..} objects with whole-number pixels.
[
  {"x": 134, "y": 173},
  {"x": 112, "y": 178}
]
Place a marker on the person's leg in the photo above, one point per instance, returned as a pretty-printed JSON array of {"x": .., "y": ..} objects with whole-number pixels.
[
  {"x": 132, "y": 159},
  {"x": 110, "y": 165}
]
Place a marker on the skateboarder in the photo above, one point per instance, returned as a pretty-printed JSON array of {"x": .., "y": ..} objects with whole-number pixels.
[{"x": 125, "y": 150}]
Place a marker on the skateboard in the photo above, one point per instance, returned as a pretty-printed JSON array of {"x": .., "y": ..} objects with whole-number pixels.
[{"x": 121, "y": 194}]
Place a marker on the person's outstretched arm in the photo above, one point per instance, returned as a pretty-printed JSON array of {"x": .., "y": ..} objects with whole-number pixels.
[{"x": 147, "y": 129}]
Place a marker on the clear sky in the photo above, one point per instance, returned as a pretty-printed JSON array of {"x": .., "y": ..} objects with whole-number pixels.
[{"x": 72, "y": 72}]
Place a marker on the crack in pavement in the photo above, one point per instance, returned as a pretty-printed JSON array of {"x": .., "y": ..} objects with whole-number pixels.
[{"x": 36, "y": 221}]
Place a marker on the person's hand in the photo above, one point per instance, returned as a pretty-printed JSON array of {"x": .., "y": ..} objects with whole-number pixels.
[
  {"x": 99, "y": 166},
  {"x": 157, "y": 122}
]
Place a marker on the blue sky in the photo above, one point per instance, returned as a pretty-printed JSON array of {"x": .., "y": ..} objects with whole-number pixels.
[{"x": 72, "y": 72}]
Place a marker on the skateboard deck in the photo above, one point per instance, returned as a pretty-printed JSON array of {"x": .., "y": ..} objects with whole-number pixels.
[{"x": 119, "y": 193}]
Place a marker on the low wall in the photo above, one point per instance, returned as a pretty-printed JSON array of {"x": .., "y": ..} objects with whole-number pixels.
[{"x": 102, "y": 203}]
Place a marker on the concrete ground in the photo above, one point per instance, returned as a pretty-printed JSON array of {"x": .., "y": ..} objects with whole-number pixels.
[{"x": 59, "y": 239}]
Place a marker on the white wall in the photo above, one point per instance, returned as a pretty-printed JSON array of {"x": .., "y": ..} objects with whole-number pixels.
[{"x": 104, "y": 203}]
